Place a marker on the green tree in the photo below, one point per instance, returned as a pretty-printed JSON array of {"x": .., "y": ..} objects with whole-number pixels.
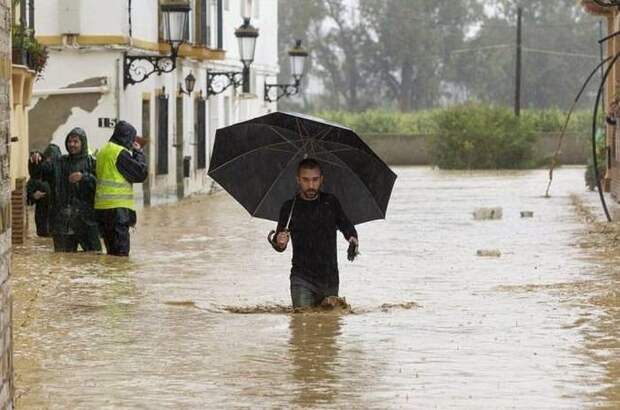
[
  {"x": 337, "y": 44},
  {"x": 559, "y": 50},
  {"x": 409, "y": 44}
]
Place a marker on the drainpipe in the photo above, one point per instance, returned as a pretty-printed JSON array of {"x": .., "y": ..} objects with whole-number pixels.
[
  {"x": 31, "y": 15},
  {"x": 130, "y": 23},
  {"x": 117, "y": 89}
]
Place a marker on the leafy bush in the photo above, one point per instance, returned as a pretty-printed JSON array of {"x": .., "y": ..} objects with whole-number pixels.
[
  {"x": 474, "y": 136},
  {"x": 382, "y": 122},
  {"x": 471, "y": 135},
  {"x": 23, "y": 39},
  {"x": 422, "y": 122}
]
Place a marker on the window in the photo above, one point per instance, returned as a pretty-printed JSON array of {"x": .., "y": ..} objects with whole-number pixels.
[
  {"x": 201, "y": 133},
  {"x": 202, "y": 32},
  {"x": 213, "y": 125},
  {"x": 146, "y": 133},
  {"x": 178, "y": 144},
  {"x": 162, "y": 134},
  {"x": 226, "y": 5}
]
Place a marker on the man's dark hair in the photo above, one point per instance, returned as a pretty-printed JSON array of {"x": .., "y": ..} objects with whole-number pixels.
[{"x": 309, "y": 163}]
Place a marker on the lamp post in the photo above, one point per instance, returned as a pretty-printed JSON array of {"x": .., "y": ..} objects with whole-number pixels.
[
  {"x": 246, "y": 36},
  {"x": 138, "y": 68},
  {"x": 297, "y": 57}
]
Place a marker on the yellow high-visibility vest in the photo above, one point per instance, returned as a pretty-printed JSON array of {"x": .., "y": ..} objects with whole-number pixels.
[{"x": 113, "y": 190}]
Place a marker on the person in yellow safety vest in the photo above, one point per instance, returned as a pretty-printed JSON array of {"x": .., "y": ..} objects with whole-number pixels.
[{"x": 120, "y": 163}]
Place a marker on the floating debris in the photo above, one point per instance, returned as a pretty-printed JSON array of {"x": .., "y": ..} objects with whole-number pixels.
[
  {"x": 405, "y": 305},
  {"x": 527, "y": 214},
  {"x": 481, "y": 214},
  {"x": 492, "y": 253}
]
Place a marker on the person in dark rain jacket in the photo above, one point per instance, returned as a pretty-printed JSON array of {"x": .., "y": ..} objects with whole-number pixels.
[
  {"x": 120, "y": 163},
  {"x": 72, "y": 194},
  {"x": 38, "y": 192}
]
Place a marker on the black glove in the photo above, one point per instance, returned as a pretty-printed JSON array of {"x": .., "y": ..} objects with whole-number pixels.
[{"x": 352, "y": 252}]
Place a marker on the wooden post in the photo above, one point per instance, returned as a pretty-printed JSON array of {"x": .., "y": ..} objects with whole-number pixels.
[{"x": 518, "y": 65}]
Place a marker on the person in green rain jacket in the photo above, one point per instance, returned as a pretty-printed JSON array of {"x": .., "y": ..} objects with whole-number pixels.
[
  {"x": 38, "y": 191},
  {"x": 72, "y": 194}
]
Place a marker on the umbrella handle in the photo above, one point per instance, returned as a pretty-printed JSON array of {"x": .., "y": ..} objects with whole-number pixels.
[{"x": 270, "y": 238}]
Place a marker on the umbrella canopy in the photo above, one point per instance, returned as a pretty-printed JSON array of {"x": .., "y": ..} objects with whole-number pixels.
[{"x": 256, "y": 162}]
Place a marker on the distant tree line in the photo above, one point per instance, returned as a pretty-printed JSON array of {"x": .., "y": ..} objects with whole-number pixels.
[{"x": 411, "y": 55}]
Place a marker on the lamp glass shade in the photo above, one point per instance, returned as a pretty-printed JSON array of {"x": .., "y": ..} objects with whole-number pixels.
[
  {"x": 297, "y": 65},
  {"x": 175, "y": 17},
  {"x": 246, "y": 35},
  {"x": 247, "y": 47},
  {"x": 190, "y": 83},
  {"x": 297, "y": 56}
]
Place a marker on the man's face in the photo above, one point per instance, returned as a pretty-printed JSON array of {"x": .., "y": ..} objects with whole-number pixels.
[
  {"x": 309, "y": 181},
  {"x": 74, "y": 145}
]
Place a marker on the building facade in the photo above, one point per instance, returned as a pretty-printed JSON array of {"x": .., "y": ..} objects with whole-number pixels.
[
  {"x": 6, "y": 338},
  {"x": 83, "y": 83},
  {"x": 611, "y": 15}
]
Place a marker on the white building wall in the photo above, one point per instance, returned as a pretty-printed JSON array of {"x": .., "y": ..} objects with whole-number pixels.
[
  {"x": 144, "y": 20},
  {"x": 109, "y": 17},
  {"x": 69, "y": 65},
  {"x": 91, "y": 65}
]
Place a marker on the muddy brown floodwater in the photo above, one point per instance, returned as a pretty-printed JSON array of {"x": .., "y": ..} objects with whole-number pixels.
[{"x": 199, "y": 317}]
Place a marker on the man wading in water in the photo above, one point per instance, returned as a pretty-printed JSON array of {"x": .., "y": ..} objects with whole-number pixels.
[{"x": 314, "y": 220}]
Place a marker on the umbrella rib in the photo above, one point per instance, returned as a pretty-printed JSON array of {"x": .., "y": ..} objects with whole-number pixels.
[
  {"x": 250, "y": 152},
  {"x": 360, "y": 180},
  {"x": 282, "y": 136},
  {"x": 299, "y": 127},
  {"x": 325, "y": 132},
  {"x": 275, "y": 182},
  {"x": 282, "y": 150}
]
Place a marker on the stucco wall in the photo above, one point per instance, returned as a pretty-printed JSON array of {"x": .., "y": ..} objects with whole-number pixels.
[
  {"x": 6, "y": 343},
  {"x": 100, "y": 56}
]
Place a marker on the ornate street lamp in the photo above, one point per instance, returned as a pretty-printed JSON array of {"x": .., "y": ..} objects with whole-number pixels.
[
  {"x": 190, "y": 83},
  {"x": 297, "y": 57},
  {"x": 218, "y": 81},
  {"x": 175, "y": 19}
]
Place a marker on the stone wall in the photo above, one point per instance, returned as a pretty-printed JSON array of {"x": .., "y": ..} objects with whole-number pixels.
[
  {"x": 397, "y": 149},
  {"x": 6, "y": 344}
]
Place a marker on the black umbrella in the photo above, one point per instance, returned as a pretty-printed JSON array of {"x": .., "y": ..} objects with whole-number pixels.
[{"x": 256, "y": 162}]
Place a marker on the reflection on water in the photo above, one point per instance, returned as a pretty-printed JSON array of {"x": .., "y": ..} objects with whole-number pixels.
[
  {"x": 314, "y": 352},
  {"x": 199, "y": 316}
]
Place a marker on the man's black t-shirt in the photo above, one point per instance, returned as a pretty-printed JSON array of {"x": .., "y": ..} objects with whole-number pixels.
[{"x": 313, "y": 235}]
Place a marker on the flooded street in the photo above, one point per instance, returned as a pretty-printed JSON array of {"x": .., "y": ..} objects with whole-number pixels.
[{"x": 197, "y": 316}]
